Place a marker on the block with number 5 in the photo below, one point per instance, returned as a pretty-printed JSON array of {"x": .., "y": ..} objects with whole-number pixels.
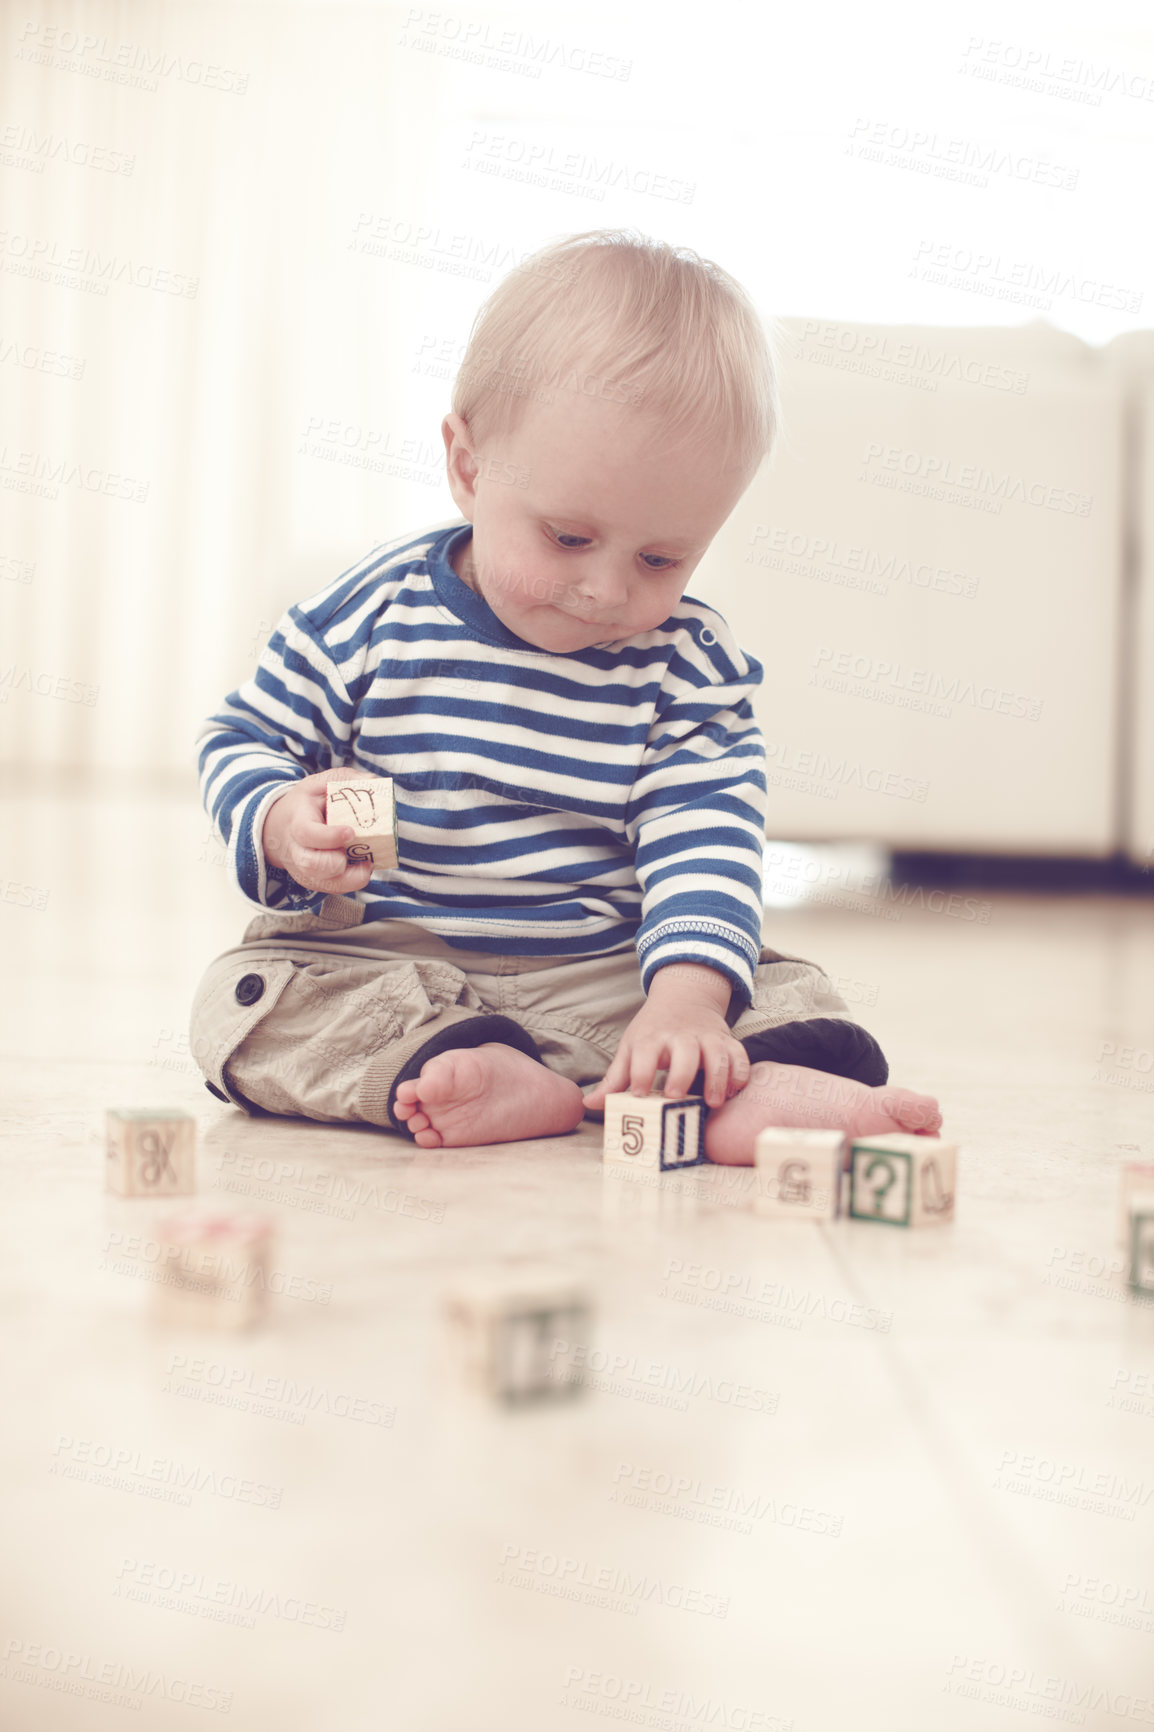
[
  {"x": 904, "y": 1180},
  {"x": 650, "y": 1132}
]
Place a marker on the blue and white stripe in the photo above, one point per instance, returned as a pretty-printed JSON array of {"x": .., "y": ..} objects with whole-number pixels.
[{"x": 547, "y": 804}]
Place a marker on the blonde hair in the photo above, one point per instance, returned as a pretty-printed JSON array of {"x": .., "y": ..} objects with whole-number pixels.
[{"x": 614, "y": 314}]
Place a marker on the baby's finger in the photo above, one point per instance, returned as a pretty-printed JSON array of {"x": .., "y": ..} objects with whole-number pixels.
[
  {"x": 686, "y": 1059},
  {"x": 615, "y": 1079},
  {"x": 739, "y": 1069},
  {"x": 311, "y": 833},
  {"x": 645, "y": 1062},
  {"x": 716, "y": 1065},
  {"x": 319, "y": 869},
  {"x": 355, "y": 878}
]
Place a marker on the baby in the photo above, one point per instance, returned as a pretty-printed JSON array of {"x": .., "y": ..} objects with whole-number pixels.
[{"x": 579, "y": 780}]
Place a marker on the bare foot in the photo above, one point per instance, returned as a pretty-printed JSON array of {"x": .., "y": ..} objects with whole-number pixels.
[
  {"x": 812, "y": 1100},
  {"x": 486, "y": 1094}
]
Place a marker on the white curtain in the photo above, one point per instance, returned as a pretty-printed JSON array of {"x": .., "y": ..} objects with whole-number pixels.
[{"x": 188, "y": 339}]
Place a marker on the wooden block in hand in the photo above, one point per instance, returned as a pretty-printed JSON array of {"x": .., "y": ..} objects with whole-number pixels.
[
  {"x": 522, "y": 1333},
  {"x": 1135, "y": 1176},
  {"x": 651, "y": 1132},
  {"x": 213, "y": 1270},
  {"x": 798, "y": 1174},
  {"x": 366, "y": 802},
  {"x": 150, "y": 1154},
  {"x": 1140, "y": 1242},
  {"x": 905, "y": 1180}
]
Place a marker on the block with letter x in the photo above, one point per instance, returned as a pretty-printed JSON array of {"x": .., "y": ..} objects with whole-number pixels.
[
  {"x": 150, "y": 1154},
  {"x": 650, "y": 1132},
  {"x": 905, "y": 1180}
]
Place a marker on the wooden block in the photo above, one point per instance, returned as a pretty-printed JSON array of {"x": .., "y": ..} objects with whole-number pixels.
[
  {"x": 1140, "y": 1214},
  {"x": 214, "y": 1270},
  {"x": 652, "y": 1132},
  {"x": 366, "y": 802},
  {"x": 1134, "y": 1176},
  {"x": 798, "y": 1174},
  {"x": 150, "y": 1154},
  {"x": 904, "y": 1180},
  {"x": 521, "y": 1332}
]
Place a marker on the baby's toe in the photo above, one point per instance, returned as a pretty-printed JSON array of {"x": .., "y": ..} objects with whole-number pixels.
[{"x": 919, "y": 1113}]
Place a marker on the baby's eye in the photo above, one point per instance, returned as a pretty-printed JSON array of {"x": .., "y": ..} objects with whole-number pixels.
[{"x": 571, "y": 541}]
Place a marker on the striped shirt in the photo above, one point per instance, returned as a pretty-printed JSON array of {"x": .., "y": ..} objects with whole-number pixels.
[{"x": 547, "y": 804}]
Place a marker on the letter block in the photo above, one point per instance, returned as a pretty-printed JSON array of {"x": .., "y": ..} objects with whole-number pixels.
[
  {"x": 150, "y": 1154},
  {"x": 521, "y": 1333},
  {"x": 1135, "y": 1176},
  {"x": 366, "y": 802},
  {"x": 1141, "y": 1242},
  {"x": 652, "y": 1132},
  {"x": 214, "y": 1270},
  {"x": 904, "y": 1180},
  {"x": 798, "y": 1174}
]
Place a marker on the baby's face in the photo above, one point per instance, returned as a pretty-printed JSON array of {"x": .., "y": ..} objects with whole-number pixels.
[{"x": 601, "y": 541}]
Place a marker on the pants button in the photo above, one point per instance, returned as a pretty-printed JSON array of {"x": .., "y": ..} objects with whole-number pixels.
[{"x": 249, "y": 988}]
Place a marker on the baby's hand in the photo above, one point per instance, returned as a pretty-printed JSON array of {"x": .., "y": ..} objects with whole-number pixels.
[
  {"x": 681, "y": 1028},
  {"x": 296, "y": 839}
]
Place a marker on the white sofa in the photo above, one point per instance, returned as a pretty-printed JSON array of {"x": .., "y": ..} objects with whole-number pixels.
[{"x": 933, "y": 569}]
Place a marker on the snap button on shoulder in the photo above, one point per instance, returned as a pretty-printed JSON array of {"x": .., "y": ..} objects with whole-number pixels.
[{"x": 249, "y": 988}]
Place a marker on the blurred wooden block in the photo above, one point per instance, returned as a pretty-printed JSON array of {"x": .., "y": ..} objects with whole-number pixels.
[
  {"x": 1140, "y": 1241},
  {"x": 652, "y": 1132},
  {"x": 522, "y": 1333},
  {"x": 150, "y": 1154},
  {"x": 366, "y": 802},
  {"x": 798, "y": 1174},
  {"x": 901, "y": 1179},
  {"x": 214, "y": 1270},
  {"x": 1134, "y": 1176}
]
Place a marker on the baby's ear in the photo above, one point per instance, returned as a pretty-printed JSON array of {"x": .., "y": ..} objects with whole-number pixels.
[{"x": 460, "y": 458}]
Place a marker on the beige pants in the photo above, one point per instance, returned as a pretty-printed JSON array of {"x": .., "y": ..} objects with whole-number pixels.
[{"x": 318, "y": 1016}]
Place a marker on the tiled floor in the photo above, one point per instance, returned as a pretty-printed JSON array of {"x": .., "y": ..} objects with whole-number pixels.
[{"x": 831, "y": 1478}]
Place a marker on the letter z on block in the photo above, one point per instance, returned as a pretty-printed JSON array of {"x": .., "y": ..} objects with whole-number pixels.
[{"x": 366, "y": 802}]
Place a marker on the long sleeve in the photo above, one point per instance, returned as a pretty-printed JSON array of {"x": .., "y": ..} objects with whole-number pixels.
[
  {"x": 293, "y": 718},
  {"x": 697, "y": 819},
  {"x": 547, "y": 804}
]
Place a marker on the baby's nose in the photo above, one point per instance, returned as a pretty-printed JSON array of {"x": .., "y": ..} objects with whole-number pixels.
[{"x": 604, "y": 585}]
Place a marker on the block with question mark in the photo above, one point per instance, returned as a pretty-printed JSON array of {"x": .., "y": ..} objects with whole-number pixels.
[
  {"x": 903, "y": 1180},
  {"x": 798, "y": 1174},
  {"x": 366, "y": 802}
]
